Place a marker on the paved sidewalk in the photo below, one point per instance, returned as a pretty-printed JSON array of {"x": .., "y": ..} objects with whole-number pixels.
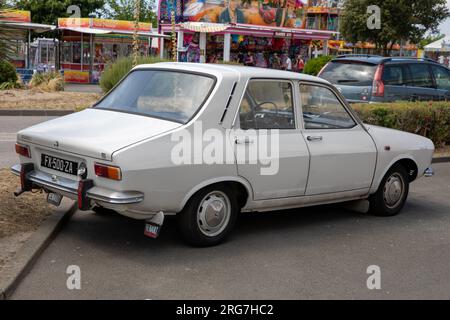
[{"x": 87, "y": 88}]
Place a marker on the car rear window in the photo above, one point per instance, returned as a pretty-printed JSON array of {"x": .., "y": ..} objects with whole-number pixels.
[
  {"x": 165, "y": 94},
  {"x": 351, "y": 73}
]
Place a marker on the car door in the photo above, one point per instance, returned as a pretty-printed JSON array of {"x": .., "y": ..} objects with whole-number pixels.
[
  {"x": 343, "y": 155},
  {"x": 442, "y": 79},
  {"x": 395, "y": 79},
  {"x": 420, "y": 85},
  {"x": 269, "y": 148}
]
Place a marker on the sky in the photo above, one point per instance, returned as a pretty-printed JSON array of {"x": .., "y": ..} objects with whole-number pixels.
[{"x": 445, "y": 27}]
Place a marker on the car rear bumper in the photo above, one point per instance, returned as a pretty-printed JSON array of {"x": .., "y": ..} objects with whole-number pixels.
[{"x": 69, "y": 188}]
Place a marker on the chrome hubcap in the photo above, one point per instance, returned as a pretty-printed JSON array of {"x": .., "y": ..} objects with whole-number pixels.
[
  {"x": 214, "y": 213},
  {"x": 394, "y": 189}
]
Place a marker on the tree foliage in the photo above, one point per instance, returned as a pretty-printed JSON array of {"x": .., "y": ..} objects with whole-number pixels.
[
  {"x": 407, "y": 20},
  {"x": 6, "y": 45},
  {"x": 124, "y": 10},
  {"x": 48, "y": 11}
]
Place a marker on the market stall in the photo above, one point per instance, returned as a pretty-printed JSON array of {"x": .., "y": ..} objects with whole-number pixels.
[
  {"x": 439, "y": 50},
  {"x": 218, "y": 30},
  {"x": 18, "y": 27},
  {"x": 88, "y": 44}
]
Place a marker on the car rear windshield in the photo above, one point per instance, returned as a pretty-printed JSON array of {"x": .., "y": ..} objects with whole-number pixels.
[
  {"x": 351, "y": 73},
  {"x": 168, "y": 95}
]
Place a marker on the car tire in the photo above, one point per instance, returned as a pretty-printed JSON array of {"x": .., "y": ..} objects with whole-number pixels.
[
  {"x": 209, "y": 216},
  {"x": 391, "y": 194}
]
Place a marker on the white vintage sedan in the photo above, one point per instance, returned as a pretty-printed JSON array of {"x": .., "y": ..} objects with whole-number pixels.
[{"x": 205, "y": 142}]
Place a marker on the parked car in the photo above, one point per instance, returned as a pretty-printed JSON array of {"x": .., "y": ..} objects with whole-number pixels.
[
  {"x": 380, "y": 79},
  {"x": 126, "y": 152}
]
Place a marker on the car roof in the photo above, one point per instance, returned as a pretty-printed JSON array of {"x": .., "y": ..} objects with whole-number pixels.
[
  {"x": 232, "y": 70},
  {"x": 371, "y": 59}
]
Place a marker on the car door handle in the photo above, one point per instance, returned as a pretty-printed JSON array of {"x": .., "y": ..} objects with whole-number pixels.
[
  {"x": 314, "y": 138},
  {"x": 243, "y": 141}
]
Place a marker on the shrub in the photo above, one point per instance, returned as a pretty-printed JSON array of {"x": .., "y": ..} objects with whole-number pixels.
[
  {"x": 114, "y": 72},
  {"x": 7, "y": 72},
  {"x": 314, "y": 66},
  {"x": 48, "y": 81},
  {"x": 429, "y": 119}
]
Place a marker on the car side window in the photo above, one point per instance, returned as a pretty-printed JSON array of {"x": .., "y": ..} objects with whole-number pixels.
[
  {"x": 420, "y": 76},
  {"x": 322, "y": 109},
  {"x": 442, "y": 77},
  {"x": 267, "y": 104},
  {"x": 393, "y": 75}
]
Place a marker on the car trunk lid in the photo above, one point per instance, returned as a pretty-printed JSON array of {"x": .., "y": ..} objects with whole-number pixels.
[{"x": 95, "y": 133}]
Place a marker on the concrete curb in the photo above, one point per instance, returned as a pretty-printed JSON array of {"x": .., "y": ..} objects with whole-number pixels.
[
  {"x": 40, "y": 113},
  {"x": 16, "y": 269},
  {"x": 441, "y": 159}
]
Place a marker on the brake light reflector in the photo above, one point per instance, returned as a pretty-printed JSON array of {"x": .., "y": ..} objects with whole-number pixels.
[
  {"x": 109, "y": 172},
  {"x": 378, "y": 84},
  {"x": 23, "y": 150}
]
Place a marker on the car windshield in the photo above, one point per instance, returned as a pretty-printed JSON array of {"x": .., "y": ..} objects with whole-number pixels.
[
  {"x": 169, "y": 95},
  {"x": 349, "y": 73}
]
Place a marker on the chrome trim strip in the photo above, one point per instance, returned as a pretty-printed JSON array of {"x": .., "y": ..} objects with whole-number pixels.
[
  {"x": 69, "y": 188},
  {"x": 16, "y": 169}
]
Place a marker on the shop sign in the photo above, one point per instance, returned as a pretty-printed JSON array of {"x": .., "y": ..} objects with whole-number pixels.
[
  {"x": 275, "y": 13},
  {"x": 16, "y": 16},
  {"x": 76, "y": 76},
  {"x": 107, "y": 24},
  {"x": 281, "y": 34}
]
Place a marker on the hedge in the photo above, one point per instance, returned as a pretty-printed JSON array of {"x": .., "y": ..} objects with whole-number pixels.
[
  {"x": 429, "y": 119},
  {"x": 313, "y": 66},
  {"x": 114, "y": 72},
  {"x": 7, "y": 72}
]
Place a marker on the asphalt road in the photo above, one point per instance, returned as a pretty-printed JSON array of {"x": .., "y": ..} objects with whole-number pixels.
[
  {"x": 9, "y": 126},
  {"x": 320, "y": 253}
]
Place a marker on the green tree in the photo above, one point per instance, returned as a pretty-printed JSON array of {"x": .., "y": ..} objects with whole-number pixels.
[
  {"x": 407, "y": 20},
  {"x": 124, "y": 10},
  {"x": 48, "y": 11},
  {"x": 6, "y": 46}
]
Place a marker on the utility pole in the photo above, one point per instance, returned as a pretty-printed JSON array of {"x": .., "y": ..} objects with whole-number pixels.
[{"x": 137, "y": 11}]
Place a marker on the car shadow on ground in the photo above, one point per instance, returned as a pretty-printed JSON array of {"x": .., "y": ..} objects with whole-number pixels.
[{"x": 253, "y": 230}]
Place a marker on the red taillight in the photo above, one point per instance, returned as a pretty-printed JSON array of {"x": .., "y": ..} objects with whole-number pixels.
[
  {"x": 23, "y": 150},
  {"x": 378, "y": 84},
  {"x": 109, "y": 172}
]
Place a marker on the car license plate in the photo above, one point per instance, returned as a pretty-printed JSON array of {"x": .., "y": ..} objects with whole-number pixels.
[
  {"x": 58, "y": 164},
  {"x": 152, "y": 230},
  {"x": 54, "y": 199}
]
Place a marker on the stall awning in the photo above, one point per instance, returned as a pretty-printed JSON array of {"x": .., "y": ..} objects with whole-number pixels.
[
  {"x": 204, "y": 26},
  {"x": 112, "y": 31},
  {"x": 36, "y": 27},
  {"x": 442, "y": 45},
  {"x": 251, "y": 30}
]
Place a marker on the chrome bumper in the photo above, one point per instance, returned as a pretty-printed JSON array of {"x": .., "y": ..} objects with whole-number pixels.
[{"x": 69, "y": 188}]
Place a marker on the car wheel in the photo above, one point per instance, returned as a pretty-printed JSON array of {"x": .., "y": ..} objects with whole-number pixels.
[
  {"x": 392, "y": 193},
  {"x": 209, "y": 216}
]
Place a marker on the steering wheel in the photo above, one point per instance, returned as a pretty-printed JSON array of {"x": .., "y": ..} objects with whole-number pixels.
[
  {"x": 259, "y": 105},
  {"x": 257, "y": 109}
]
